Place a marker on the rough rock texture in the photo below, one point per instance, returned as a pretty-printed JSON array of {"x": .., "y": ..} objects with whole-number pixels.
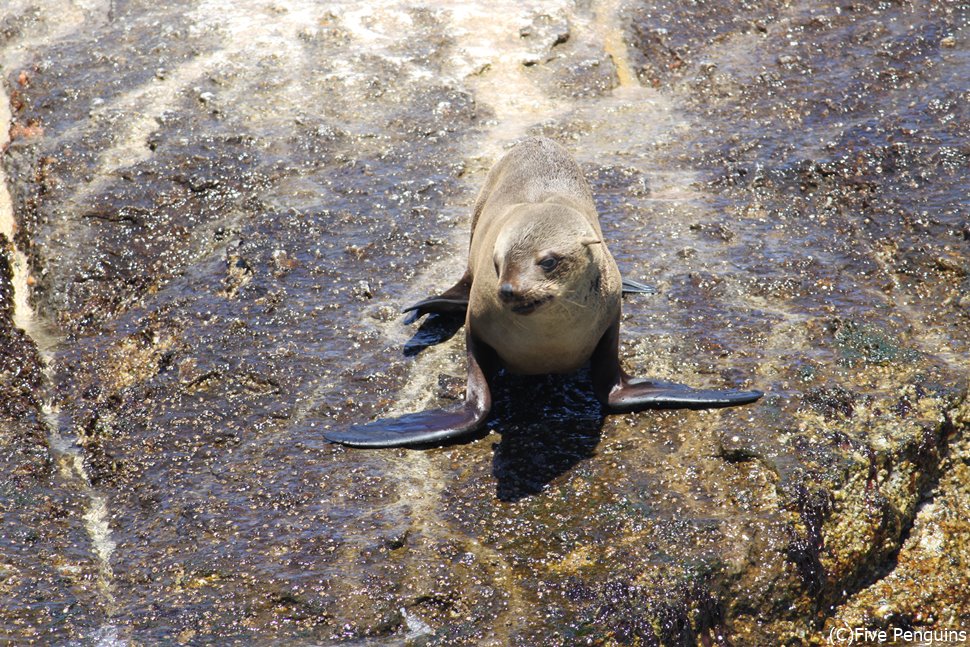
[
  {"x": 43, "y": 550},
  {"x": 226, "y": 204},
  {"x": 925, "y": 587}
]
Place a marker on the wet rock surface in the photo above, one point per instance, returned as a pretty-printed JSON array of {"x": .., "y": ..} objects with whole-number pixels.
[
  {"x": 43, "y": 549},
  {"x": 225, "y": 206},
  {"x": 923, "y": 588}
]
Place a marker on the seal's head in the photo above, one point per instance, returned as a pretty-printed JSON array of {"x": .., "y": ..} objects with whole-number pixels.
[{"x": 544, "y": 253}]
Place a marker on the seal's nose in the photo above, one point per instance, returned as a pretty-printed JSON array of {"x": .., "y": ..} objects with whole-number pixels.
[{"x": 506, "y": 292}]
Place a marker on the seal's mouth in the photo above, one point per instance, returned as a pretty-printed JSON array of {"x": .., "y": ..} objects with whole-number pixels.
[{"x": 529, "y": 307}]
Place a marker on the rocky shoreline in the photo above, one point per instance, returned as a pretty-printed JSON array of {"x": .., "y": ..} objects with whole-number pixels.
[{"x": 225, "y": 205}]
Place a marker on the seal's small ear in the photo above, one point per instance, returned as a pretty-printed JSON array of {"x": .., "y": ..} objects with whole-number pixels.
[{"x": 586, "y": 242}]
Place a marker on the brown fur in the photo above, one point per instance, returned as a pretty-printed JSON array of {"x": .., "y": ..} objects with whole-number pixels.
[{"x": 535, "y": 202}]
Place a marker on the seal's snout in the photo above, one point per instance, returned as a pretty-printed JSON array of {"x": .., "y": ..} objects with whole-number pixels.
[
  {"x": 518, "y": 301},
  {"x": 507, "y": 293}
]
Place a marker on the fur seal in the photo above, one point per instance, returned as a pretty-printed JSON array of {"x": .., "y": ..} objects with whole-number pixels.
[{"x": 541, "y": 294}]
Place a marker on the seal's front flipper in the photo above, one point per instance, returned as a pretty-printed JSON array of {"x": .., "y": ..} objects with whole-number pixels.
[
  {"x": 422, "y": 428},
  {"x": 635, "y": 287},
  {"x": 454, "y": 301},
  {"x": 633, "y": 394},
  {"x": 437, "y": 425},
  {"x": 620, "y": 393}
]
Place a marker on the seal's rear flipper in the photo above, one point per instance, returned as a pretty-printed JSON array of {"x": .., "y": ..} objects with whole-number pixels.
[
  {"x": 620, "y": 393},
  {"x": 422, "y": 428},
  {"x": 635, "y": 287},
  {"x": 454, "y": 300}
]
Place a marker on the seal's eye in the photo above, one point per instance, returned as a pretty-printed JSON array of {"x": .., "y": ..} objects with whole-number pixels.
[{"x": 549, "y": 263}]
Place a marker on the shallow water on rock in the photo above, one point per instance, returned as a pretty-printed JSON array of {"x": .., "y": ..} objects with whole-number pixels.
[{"x": 225, "y": 206}]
